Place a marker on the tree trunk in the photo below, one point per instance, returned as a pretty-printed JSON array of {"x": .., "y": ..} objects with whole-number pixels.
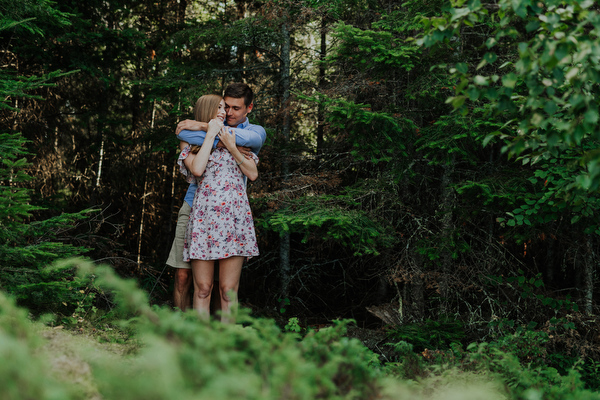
[
  {"x": 141, "y": 228},
  {"x": 588, "y": 277},
  {"x": 101, "y": 159},
  {"x": 181, "y": 9},
  {"x": 284, "y": 248},
  {"x": 321, "y": 88},
  {"x": 240, "y": 7},
  {"x": 447, "y": 241},
  {"x": 417, "y": 296},
  {"x": 144, "y": 195}
]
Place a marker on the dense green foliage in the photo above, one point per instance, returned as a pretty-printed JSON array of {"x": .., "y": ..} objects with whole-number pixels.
[
  {"x": 171, "y": 353},
  {"x": 544, "y": 86},
  {"x": 28, "y": 246},
  {"x": 433, "y": 167}
]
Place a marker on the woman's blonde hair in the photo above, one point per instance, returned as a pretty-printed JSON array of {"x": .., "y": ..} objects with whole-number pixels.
[{"x": 205, "y": 109}]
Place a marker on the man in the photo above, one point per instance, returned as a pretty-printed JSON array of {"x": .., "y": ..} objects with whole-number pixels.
[{"x": 238, "y": 99}]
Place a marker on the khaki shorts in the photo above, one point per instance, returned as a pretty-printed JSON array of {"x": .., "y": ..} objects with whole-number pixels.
[{"x": 176, "y": 255}]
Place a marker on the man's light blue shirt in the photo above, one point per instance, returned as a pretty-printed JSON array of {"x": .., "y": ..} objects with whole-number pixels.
[{"x": 246, "y": 135}]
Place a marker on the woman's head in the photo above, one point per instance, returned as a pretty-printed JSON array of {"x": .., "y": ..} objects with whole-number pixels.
[{"x": 208, "y": 107}]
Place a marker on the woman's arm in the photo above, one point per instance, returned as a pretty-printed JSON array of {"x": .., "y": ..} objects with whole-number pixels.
[
  {"x": 248, "y": 166},
  {"x": 196, "y": 163}
]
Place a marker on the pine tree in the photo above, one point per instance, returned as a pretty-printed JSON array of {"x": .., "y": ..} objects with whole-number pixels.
[{"x": 29, "y": 246}]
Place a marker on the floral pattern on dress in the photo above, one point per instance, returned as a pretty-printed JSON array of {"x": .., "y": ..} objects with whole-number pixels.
[{"x": 221, "y": 223}]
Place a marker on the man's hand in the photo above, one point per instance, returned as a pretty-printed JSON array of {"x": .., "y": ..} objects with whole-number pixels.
[
  {"x": 227, "y": 136},
  {"x": 191, "y": 125},
  {"x": 245, "y": 151}
]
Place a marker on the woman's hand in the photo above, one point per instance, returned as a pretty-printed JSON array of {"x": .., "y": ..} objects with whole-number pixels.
[
  {"x": 197, "y": 164},
  {"x": 214, "y": 127},
  {"x": 246, "y": 164}
]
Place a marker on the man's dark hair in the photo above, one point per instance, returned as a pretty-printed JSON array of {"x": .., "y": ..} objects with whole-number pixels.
[{"x": 239, "y": 90}]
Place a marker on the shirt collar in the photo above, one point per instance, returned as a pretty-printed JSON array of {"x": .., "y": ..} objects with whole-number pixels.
[{"x": 244, "y": 124}]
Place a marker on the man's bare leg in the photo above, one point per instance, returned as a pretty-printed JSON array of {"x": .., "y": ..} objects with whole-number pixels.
[{"x": 183, "y": 284}]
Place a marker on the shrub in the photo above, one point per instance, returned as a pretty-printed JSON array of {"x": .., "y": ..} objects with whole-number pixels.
[
  {"x": 184, "y": 357},
  {"x": 23, "y": 374},
  {"x": 27, "y": 247},
  {"x": 432, "y": 335}
]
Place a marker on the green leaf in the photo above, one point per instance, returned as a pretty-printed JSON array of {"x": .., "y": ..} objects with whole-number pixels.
[
  {"x": 509, "y": 80},
  {"x": 489, "y": 138},
  {"x": 462, "y": 68},
  {"x": 481, "y": 80},
  {"x": 490, "y": 57},
  {"x": 457, "y": 101},
  {"x": 591, "y": 116}
]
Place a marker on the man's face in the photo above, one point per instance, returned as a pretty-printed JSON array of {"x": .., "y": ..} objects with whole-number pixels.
[{"x": 236, "y": 111}]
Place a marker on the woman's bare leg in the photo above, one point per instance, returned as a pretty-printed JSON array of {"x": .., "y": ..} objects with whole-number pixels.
[
  {"x": 230, "y": 270},
  {"x": 203, "y": 272}
]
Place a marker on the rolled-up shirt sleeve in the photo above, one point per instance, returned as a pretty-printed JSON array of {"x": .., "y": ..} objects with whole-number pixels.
[
  {"x": 193, "y": 137},
  {"x": 252, "y": 136}
]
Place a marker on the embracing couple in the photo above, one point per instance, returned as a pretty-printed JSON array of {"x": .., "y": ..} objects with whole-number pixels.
[{"x": 218, "y": 154}]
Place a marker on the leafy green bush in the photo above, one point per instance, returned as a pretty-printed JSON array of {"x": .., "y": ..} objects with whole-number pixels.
[
  {"x": 337, "y": 219},
  {"x": 432, "y": 335},
  {"x": 23, "y": 374},
  {"x": 519, "y": 359},
  {"x": 28, "y": 246},
  {"x": 184, "y": 357},
  {"x": 177, "y": 355}
]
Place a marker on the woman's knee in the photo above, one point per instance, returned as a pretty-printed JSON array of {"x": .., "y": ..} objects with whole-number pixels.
[
  {"x": 228, "y": 293},
  {"x": 202, "y": 290}
]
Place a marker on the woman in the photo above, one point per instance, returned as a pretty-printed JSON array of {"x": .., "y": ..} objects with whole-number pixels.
[{"x": 221, "y": 225}]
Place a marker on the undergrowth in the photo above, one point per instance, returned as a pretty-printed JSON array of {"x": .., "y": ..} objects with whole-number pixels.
[{"x": 150, "y": 352}]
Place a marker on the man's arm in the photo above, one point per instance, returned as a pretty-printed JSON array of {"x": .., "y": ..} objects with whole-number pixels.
[
  {"x": 191, "y": 131},
  {"x": 191, "y": 125},
  {"x": 192, "y": 137},
  {"x": 253, "y": 136}
]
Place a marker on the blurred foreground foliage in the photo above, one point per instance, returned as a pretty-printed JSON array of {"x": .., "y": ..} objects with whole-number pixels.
[{"x": 175, "y": 355}]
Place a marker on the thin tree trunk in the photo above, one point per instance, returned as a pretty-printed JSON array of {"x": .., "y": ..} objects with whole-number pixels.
[
  {"x": 321, "y": 87},
  {"x": 240, "y": 6},
  {"x": 284, "y": 249},
  {"x": 141, "y": 230},
  {"x": 447, "y": 229},
  {"x": 99, "y": 174},
  {"x": 181, "y": 9},
  {"x": 285, "y": 98},
  {"x": 588, "y": 278},
  {"x": 417, "y": 296}
]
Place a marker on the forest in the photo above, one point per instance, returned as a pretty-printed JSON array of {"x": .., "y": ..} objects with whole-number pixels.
[{"x": 426, "y": 204}]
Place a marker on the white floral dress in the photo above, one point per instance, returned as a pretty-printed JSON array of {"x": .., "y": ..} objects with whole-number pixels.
[{"x": 221, "y": 223}]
